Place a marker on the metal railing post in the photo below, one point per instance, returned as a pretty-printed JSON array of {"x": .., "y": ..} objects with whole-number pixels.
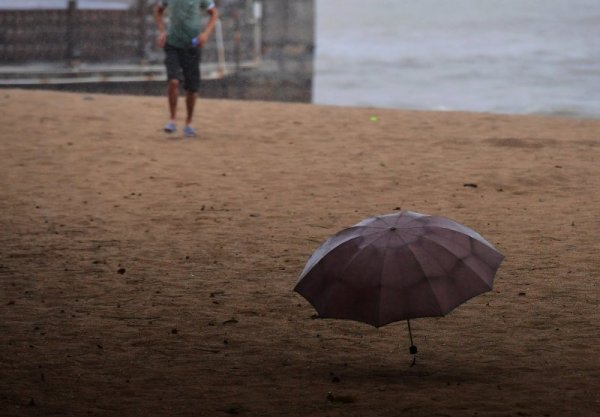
[
  {"x": 220, "y": 48},
  {"x": 257, "y": 18},
  {"x": 143, "y": 30},
  {"x": 70, "y": 35}
]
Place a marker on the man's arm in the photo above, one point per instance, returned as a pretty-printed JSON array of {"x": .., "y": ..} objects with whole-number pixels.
[
  {"x": 214, "y": 15},
  {"x": 159, "y": 11}
]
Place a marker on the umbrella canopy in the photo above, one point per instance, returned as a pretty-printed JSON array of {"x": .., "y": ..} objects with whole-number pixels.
[{"x": 398, "y": 266}]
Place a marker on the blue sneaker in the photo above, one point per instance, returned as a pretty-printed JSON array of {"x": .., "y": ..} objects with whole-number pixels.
[
  {"x": 189, "y": 132},
  {"x": 170, "y": 127}
]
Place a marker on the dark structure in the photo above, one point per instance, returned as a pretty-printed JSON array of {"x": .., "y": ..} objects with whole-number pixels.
[{"x": 261, "y": 50}]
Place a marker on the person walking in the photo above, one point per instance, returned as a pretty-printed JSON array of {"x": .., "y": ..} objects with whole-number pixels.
[{"x": 182, "y": 43}]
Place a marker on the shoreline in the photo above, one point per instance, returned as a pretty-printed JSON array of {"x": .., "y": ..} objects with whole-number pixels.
[{"x": 151, "y": 90}]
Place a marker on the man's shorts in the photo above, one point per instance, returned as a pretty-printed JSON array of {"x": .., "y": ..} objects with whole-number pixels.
[{"x": 184, "y": 64}]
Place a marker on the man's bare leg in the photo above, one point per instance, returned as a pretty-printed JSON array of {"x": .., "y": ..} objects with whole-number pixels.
[
  {"x": 190, "y": 101},
  {"x": 173, "y": 95}
]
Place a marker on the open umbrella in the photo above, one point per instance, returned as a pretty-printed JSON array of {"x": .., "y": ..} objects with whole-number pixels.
[{"x": 396, "y": 267}]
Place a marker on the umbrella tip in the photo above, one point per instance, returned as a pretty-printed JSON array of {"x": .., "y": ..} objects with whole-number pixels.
[
  {"x": 413, "y": 351},
  {"x": 392, "y": 228}
]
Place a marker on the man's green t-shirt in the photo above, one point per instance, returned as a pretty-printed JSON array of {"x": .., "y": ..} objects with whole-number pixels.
[{"x": 184, "y": 20}]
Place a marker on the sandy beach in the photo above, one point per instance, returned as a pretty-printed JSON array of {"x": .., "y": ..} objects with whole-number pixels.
[{"x": 147, "y": 275}]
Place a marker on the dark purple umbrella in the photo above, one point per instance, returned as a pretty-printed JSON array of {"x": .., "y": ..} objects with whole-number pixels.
[{"x": 396, "y": 267}]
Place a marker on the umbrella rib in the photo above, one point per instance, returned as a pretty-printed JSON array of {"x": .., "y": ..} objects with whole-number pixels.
[
  {"x": 424, "y": 274},
  {"x": 395, "y": 220},
  {"x": 411, "y": 221},
  {"x": 353, "y": 258},
  {"x": 374, "y": 227},
  {"x": 427, "y": 278},
  {"x": 466, "y": 234},
  {"x": 355, "y": 255},
  {"x": 357, "y": 252},
  {"x": 383, "y": 219},
  {"x": 387, "y": 250},
  {"x": 318, "y": 261},
  {"x": 457, "y": 257},
  {"x": 435, "y": 296}
]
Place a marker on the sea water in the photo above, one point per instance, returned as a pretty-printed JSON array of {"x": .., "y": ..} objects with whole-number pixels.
[{"x": 501, "y": 56}]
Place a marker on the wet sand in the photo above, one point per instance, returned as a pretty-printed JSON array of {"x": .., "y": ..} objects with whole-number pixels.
[{"x": 146, "y": 275}]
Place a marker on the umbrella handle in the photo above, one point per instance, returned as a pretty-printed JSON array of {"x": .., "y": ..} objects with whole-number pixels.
[{"x": 413, "y": 348}]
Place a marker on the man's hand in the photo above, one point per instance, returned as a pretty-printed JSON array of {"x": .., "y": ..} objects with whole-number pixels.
[{"x": 202, "y": 39}]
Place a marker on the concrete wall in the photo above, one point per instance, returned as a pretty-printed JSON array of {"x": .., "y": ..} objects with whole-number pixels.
[
  {"x": 286, "y": 70},
  {"x": 288, "y": 33}
]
